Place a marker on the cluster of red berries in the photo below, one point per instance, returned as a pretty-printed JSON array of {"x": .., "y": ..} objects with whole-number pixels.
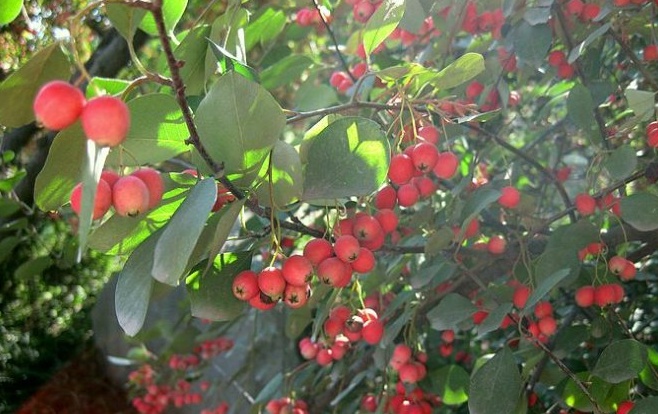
[
  {"x": 545, "y": 324},
  {"x": 210, "y": 348},
  {"x": 587, "y": 205},
  {"x": 558, "y": 60},
  {"x": 409, "y": 367},
  {"x": 602, "y": 295},
  {"x": 586, "y": 12},
  {"x": 415, "y": 401},
  {"x": 425, "y": 34},
  {"x": 480, "y": 23},
  {"x": 159, "y": 396},
  {"x": 342, "y": 80},
  {"x": 362, "y": 10},
  {"x": 130, "y": 195},
  {"x": 287, "y": 405},
  {"x": 105, "y": 119},
  {"x": 341, "y": 329}
]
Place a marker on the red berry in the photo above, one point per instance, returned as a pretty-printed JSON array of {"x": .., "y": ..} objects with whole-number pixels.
[
  {"x": 106, "y": 120},
  {"x": 585, "y": 296},
  {"x": 547, "y": 325},
  {"x": 424, "y": 185},
  {"x": 652, "y": 134},
  {"x": 297, "y": 270},
  {"x": 521, "y": 295},
  {"x": 102, "y": 199},
  {"x": 130, "y": 196},
  {"x": 154, "y": 183},
  {"x": 334, "y": 272},
  {"x": 365, "y": 262},
  {"x": 590, "y": 11},
  {"x": 446, "y": 165},
  {"x": 556, "y": 58},
  {"x": 496, "y": 245},
  {"x": 262, "y": 302},
  {"x": 58, "y": 104},
  {"x": 386, "y": 198},
  {"x": 307, "y": 348},
  {"x": 424, "y": 156},
  {"x": 296, "y": 296},
  {"x": 428, "y": 133},
  {"x": 575, "y": 7},
  {"x": 372, "y": 331},
  {"x": 347, "y": 248},
  {"x": 271, "y": 282},
  {"x": 473, "y": 90},
  {"x": 408, "y": 195},
  {"x": 245, "y": 285},
  {"x": 509, "y": 197},
  {"x": 565, "y": 71},
  {"x": 401, "y": 169},
  {"x": 650, "y": 53},
  {"x": 324, "y": 358},
  {"x": 408, "y": 373},
  {"x": 110, "y": 177},
  {"x": 543, "y": 309},
  {"x": 604, "y": 295},
  {"x": 366, "y": 228},
  {"x": 625, "y": 407},
  {"x": 317, "y": 250},
  {"x": 585, "y": 204},
  {"x": 388, "y": 220}
]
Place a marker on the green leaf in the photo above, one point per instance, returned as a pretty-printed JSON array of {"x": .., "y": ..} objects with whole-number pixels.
[
  {"x": 621, "y": 162},
  {"x": 414, "y": 16},
  {"x": 640, "y": 211},
  {"x": 580, "y": 48},
  {"x": 17, "y": 92},
  {"x": 544, "y": 286},
  {"x": 532, "y": 42},
  {"x": 496, "y": 387},
  {"x": 157, "y": 132},
  {"x": 537, "y": 15},
  {"x": 311, "y": 96},
  {"x": 451, "y": 383},
  {"x": 286, "y": 178},
  {"x": 465, "y": 68},
  {"x": 645, "y": 406},
  {"x": 32, "y": 268},
  {"x": 211, "y": 291},
  {"x": 91, "y": 175},
  {"x": 270, "y": 389},
  {"x": 9, "y": 10},
  {"x": 494, "y": 319},
  {"x": 172, "y": 11},
  {"x": 439, "y": 241},
  {"x": 641, "y": 102},
  {"x": 105, "y": 86},
  {"x": 580, "y": 106},
  {"x": 228, "y": 62},
  {"x": 133, "y": 290},
  {"x": 181, "y": 233},
  {"x": 452, "y": 310},
  {"x": 297, "y": 320},
  {"x": 192, "y": 50},
  {"x": 349, "y": 157},
  {"x": 227, "y": 217},
  {"x": 124, "y": 18},
  {"x": 239, "y": 122},
  {"x": 620, "y": 361},
  {"x": 7, "y": 184},
  {"x": 62, "y": 170},
  {"x": 382, "y": 23},
  {"x": 8, "y": 207},
  {"x": 480, "y": 200},
  {"x": 265, "y": 27},
  {"x": 648, "y": 375},
  {"x": 227, "y": 30},
  {"x": 285, "y": 71},
  {"x": 7, "y": 246}
]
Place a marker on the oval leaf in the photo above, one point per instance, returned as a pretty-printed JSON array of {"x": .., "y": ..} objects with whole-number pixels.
[
  {"x": 640, "y": 211},
  {"x": 621, "y": 162},
  {"x": 9, "y": 10},
  {"x": 452, "y": 384},
  {"x": 496, "y": 386},
  {"x": 134, "y": 286},
  {"x": 181, "y": 233},
  {"x": 349, "y": 157},
  {"x": 157, "y": 132},
  {"x": 382, "y": 23},
  {"x": 465, "y": 68},
  {"x": 211, "y": 291},
  {"x": 452, "y": 310},
  {"x": 172, "y": 11},
  {"x": 239, "y": 122},
  {"x": 286, "y": 177},
  {"x": 621, "y": 361}
]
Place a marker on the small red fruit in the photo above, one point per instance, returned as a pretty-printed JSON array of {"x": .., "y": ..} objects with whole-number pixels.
[
  {"x": 547, "y": 325},
  {"x": 556, "y": 58},
  {"x": 110, "y": 177},
  {"x": 245, "y": 285},
  {"x": 297, "y": 270},
  {"x": 401, "y": 169},
  {"x": 625, "y": 407},
  {"x": 154, "y": 183},
  {"x": 106, "y": 120},
  {"x": 509, "y": 197},
  {"x": 386, "y": 198},
  {"x": 496, "y": 245},
  {"x": 446, "y": 165},
  {"x": 424, "y": 156},
  {"x": 365, "y": 262},
  {"x": 521, "y": 295},
  {"x": 347, "y": 248},
  {"x": 271, "y": 282},
  {"x": 650, "y": 53},
  {"x": 58, "y": 104},
  {"x": 408, "y": 195},
  {"x": 428, "y": 133},
  {"x": 307, "y": 348},
  {"x": 130, "y": 196},
  {"x": 102, "y": 199},
  {"x": 262, "y": 302},
  {"x": 585, "y": 204},
  {"x": 372, "y": 331},
  {"x": 408, "y": 373},
  {"x": 317, "y": 250},
  {"x": 388, "y": 220},
  {"x": 543, "y": 309},
  {"x": 585, "y": 296},
  {"x": 366, "y": 228},
  {"x": 334, "y": 272},
  {"x": 479, "y": 316},
  {"x": 296, "y": 296}
]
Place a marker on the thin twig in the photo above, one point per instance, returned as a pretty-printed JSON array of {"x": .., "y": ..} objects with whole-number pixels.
[{"x": 326, "y": 25}]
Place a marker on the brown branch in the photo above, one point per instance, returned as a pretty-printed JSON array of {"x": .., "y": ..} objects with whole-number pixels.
[{"x": 633, "y": 57}]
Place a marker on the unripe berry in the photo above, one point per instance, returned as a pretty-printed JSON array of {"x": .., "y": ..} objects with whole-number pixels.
[
  {"x": 102, "y": 200},
  {"x": 58, "y": 104},
  {"x": 130, "y": 196},
  {"x": 154, "y": 183},
  {"x": 106, "y": 120}
]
